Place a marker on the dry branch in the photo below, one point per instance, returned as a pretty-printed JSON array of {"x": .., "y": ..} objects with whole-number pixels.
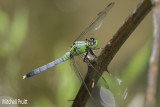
[{"x": 111, "y": 49}]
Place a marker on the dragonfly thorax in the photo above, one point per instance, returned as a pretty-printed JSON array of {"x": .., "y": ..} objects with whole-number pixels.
[{"x": 80, "y": 47}]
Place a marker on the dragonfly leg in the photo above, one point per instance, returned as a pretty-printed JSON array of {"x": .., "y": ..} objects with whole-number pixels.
[
  {"x": 85, "y": 57},
  {"x": 92, "y": 53},
  {"x": 98, "y": 48}
]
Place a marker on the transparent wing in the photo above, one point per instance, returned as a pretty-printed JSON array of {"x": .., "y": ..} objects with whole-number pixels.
[
  {"x": 97, "y": 21},
  {"x": 89, "y": 64},
  {"x": 79, "y": 75},
  {"x": 107, "y": 98}
]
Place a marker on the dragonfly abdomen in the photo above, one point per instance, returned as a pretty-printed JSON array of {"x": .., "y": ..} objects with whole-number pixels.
[{"x": 47, "y": 66}]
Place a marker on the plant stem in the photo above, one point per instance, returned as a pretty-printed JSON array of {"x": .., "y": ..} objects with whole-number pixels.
[{"x": 111, "y": 49}]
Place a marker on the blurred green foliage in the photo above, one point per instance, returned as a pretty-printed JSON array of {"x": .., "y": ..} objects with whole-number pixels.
[{"x": 12, "y": 32}]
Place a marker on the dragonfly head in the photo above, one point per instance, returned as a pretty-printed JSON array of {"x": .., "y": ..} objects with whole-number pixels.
[{"x": 92, "y": 43}]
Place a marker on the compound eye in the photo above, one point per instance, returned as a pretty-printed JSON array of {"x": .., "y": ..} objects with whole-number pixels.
[{"x": 92, "y": 39}]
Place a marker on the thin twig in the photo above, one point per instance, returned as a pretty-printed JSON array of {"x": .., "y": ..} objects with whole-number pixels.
[
  {"x": 154, "y": 58},
  {"x": 110, "y": 50}
]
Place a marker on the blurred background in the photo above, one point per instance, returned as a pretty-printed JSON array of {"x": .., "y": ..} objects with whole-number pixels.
[{"x": 36, "y": 32}]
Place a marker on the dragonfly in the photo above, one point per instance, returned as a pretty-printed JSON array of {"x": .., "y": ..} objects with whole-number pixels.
[{"x": 78, "y": 47}]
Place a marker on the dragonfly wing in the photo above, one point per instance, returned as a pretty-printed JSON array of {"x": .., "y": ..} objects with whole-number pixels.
[
  {"x": 107, "y": 97},
  {"x": 79, "y": 75},
  {"x": 97, "y": 21}
]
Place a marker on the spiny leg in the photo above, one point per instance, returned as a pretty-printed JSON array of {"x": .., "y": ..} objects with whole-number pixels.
[
  {"x": 98, "y": 48},
  {"x": 85, "y": 57},
  {"x": 92, "y": 53}
]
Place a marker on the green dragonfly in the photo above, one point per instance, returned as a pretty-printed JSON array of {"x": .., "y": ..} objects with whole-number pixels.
[{"x": 78, "y": 47}]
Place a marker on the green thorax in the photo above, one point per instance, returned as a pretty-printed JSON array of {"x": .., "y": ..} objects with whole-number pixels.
[{"x": 80, "y": 47}]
